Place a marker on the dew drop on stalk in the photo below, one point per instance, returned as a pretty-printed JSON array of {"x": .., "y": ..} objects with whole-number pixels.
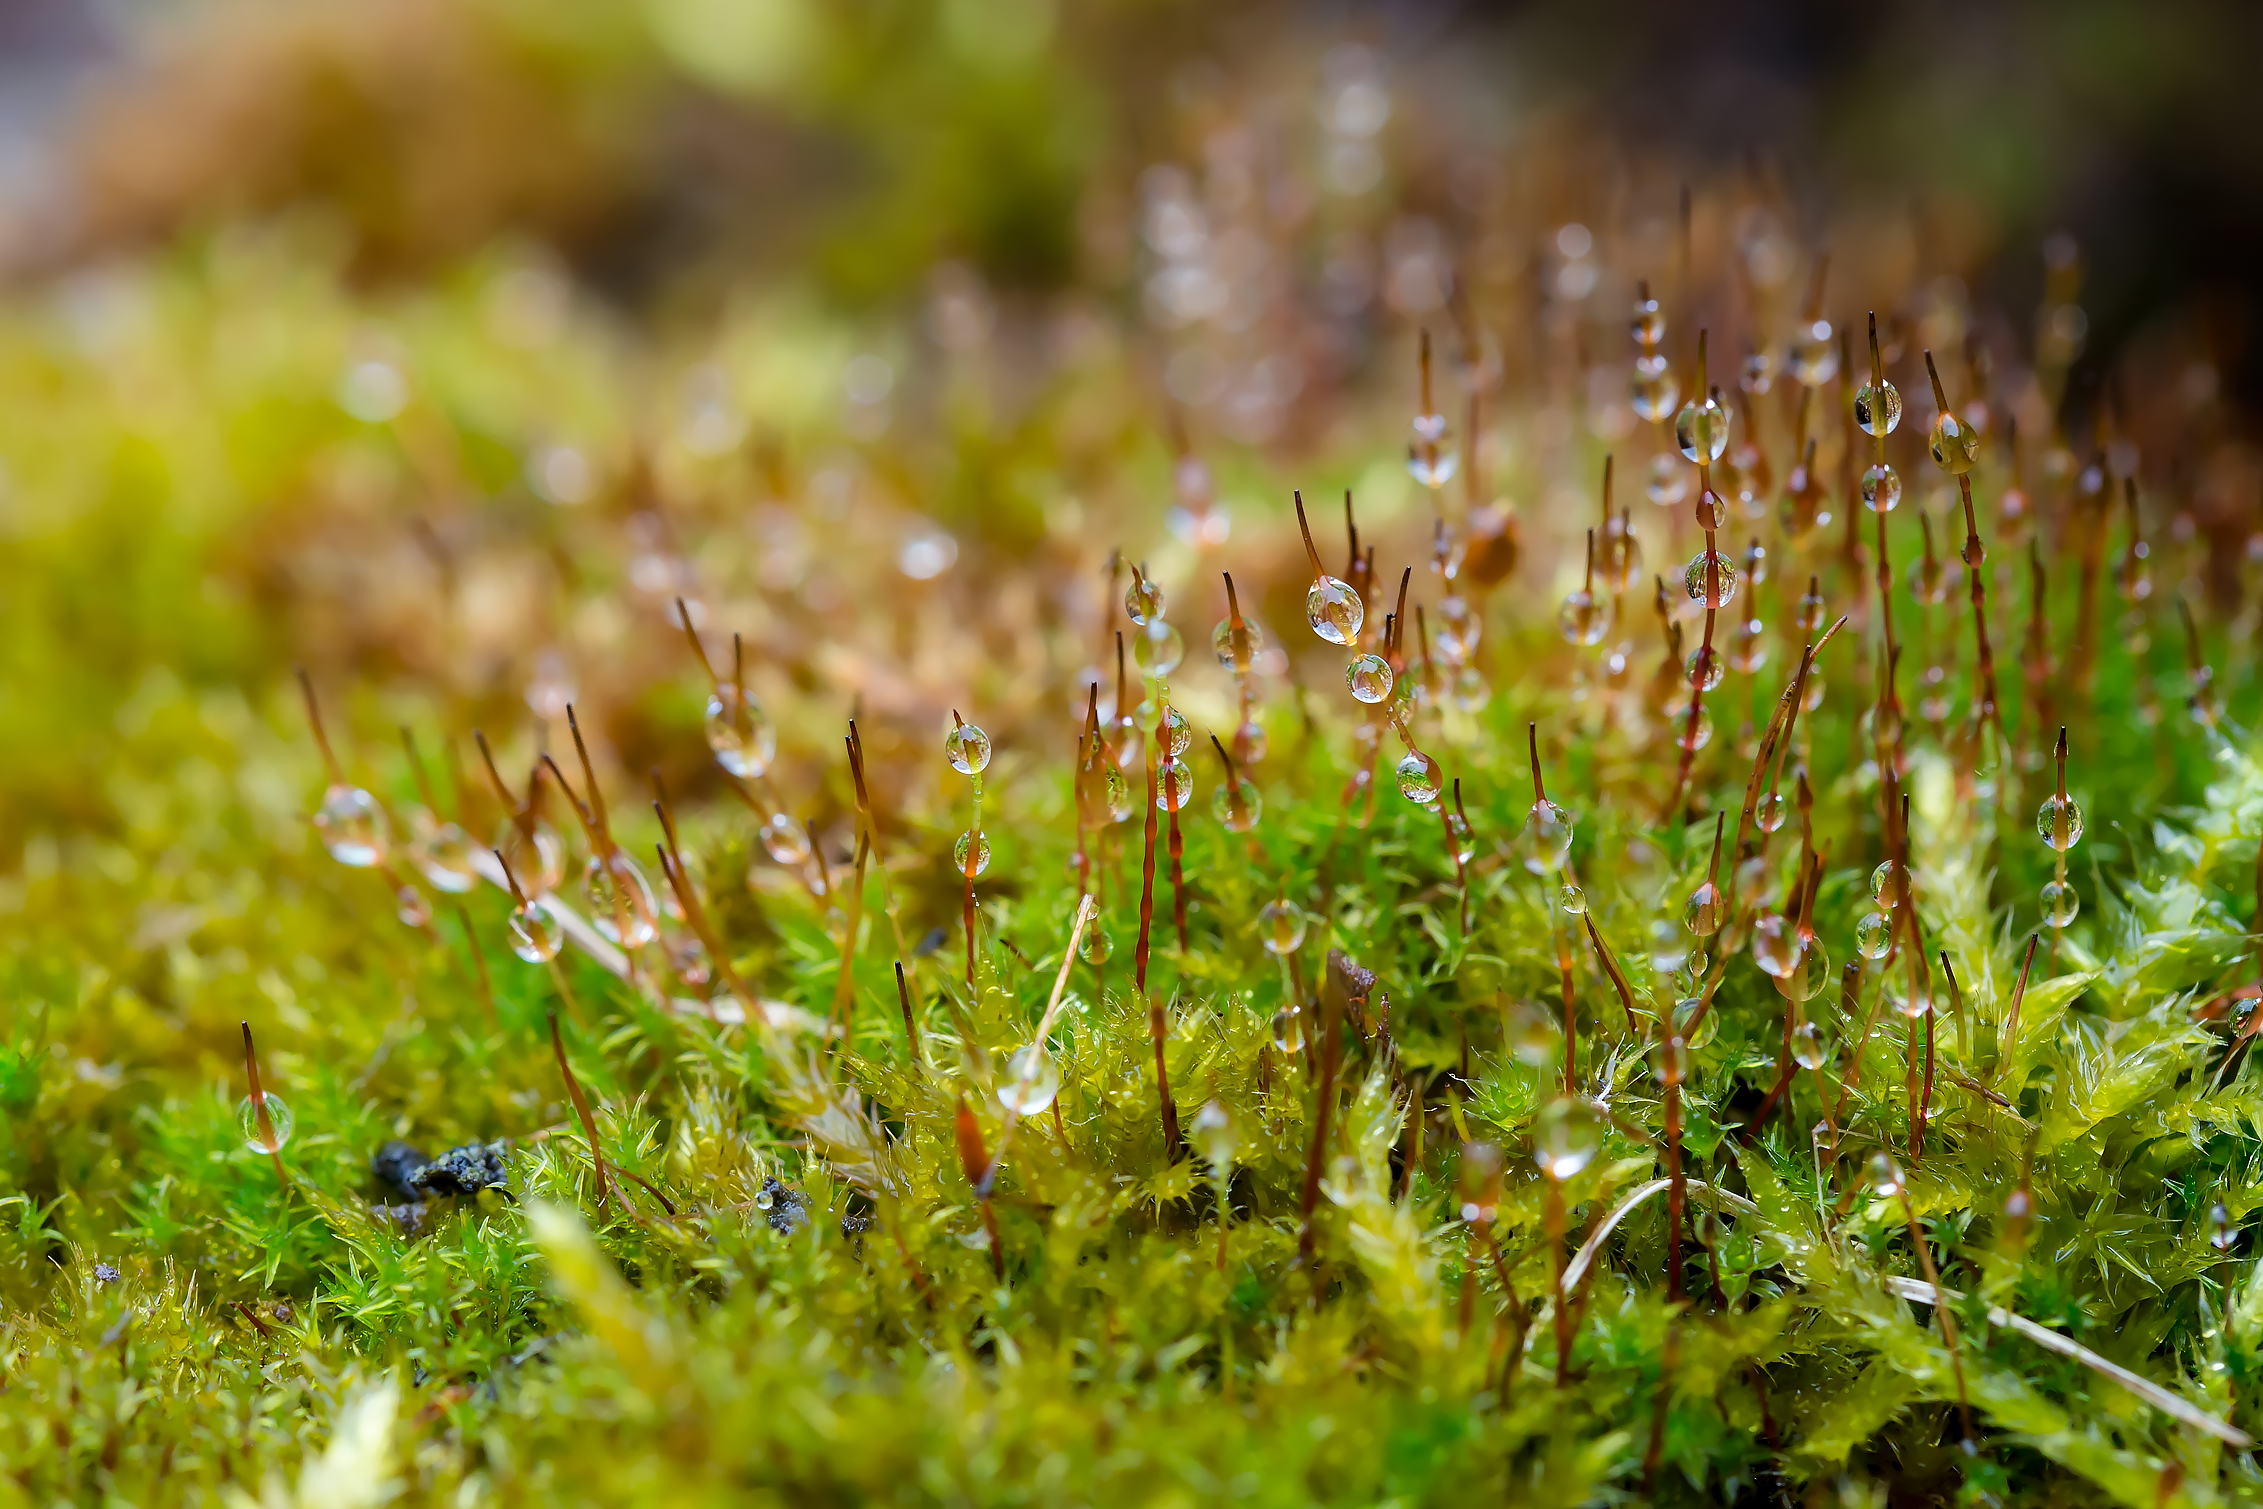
[
  {"x": 1809, "y": 615},
  {"x": 534, "y": 936},
  {"x": 1032, "y": 1080},
  {"x": 1572, "y": 899},
  {"x": 352, "y": 826},
  {"x": 1547, "y": 837},
  {"x": 1874, "y": 935},
  {"x": 1750, "y": 881},
  {"x": 1095, "y": 946},
  {"x": 1690, "y": 733},
  {"x": 1459, "y": 628},
  {"x": 1471, "y": 691},
  {"x": 1654, "y": 389},
  {"x": 1884, "y": 1176},
  {"x": 1465, "y": 846},
  {"x": 1669, "y": 482},
  {"x": 1705, "y": 668},
  {"x": 1237, "y": 650},
  {"x": 1281, "y": 925},
  {"x": 1174, "y": 786},
  {"x": 1334, "y": 610},
  {"x": 1584, "y": 617},
  {"x": 2060, "y": 903},
  {"x": 1703, "y": 912},
  {"x": 1955, "y": 444},
  {"x": 1419, "y": 778},
  {"x": 1883, "y": 885},
  {"x": 1288, "y": 1030},
  {"x": 1143, "y": 600},
  {"x": 443, "y": 856},
  {"x": 279, "y": 1123},
  {"x": 785, "y": 841},
  {"x": 1881, "y": 488},
  {"x": 1878, "y": 409},
  {"x": 1775, "y": 944},
  {"x": 1814, "y": 353},
  {"x": 740, "y": 733},
  {"x": 1249, "y": 742},
  {"x": 410, "y": 907},
  {"x": 539, "y": 866},
  {"x": 1121, "y": 803},
  {"x": 1175, "y": 734},
  {"x": 621, "y": 905},
  {"x": 1369, "y": 677},
  {"x": 1916, "y": 1005},
  {"x": 2058, "y": 822},
  {"x": 2220, "y": 1232},
  {"x": 1648, "y": 322},
  {"x": 1807, "y": 1047},
  {"x": 1810, "y": 972},
  {"x": 1430, "y": 460},
  {"x": 1711, "y": 579},
  {"x": 1693, "y": 1024},
  {"x": 1238, "y": 807},
  {"x": 1215, "y": 1139},
  {"x": 970, "y": 856},
  {"x": 1157, "y": 648},
  {"x": 1701, "y": 430},
  {"x": 1673, "y": 1061},
  {"x": 1534, "y": 1036},
  {"x": 1566, "y": 1136},
  {"x": 967, "y": 747},
  {"x": 1771, "y": 811}
]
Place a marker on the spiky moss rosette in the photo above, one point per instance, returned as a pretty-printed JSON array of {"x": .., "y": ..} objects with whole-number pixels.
[{"x": 1698, "y": 1034}]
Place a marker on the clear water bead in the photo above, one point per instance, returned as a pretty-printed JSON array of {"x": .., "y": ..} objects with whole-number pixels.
[
  {"x": 1584, "y": 618},
  {"x": 410, "y": 908},
  {"x": 1886, "y": 886},
  {"x": 1143, "y": 600},
  {"x": 1174, "y": 786},
  {"x": 1566, "y": 1136},
  {"x": 1121, "y": 803},
  {"x": 1369, "y": 677},
  {"x": 1653, "y": 393},
  {"x": 620, "y": 900},
  {"x": 534, "y": 937},
  {"x": 1809, "y": 974},
  {"x": 1032, "y": 1080},
  {"x": 1874, "y": 935},
  {"x": 1237, "y": 649},
  {"x": 1288, "y": 1030},
  {"x": 352, "y": 826},
  {"x": 1465, "y": 843},
  {"x": 1648, "y": 323},
  {"x": 2058, "y": 822},
  {"x": 1771, "y": 810},
  {"x": 539, "y": 866},
  {"x": 1095, "y": 947},
  {"x": 1807, "y": 1047},
  {"x": 1881, "y": 488},
  {"x": 970, "y": 856},
  {"x": 1281, "y": 925},
  {"x": 1711, "y": 578},
  {"x": 1215, "y": 1139},
  {"x": 785, "y": 841},
  {"x": 1692, "y": 725},
  {"x": 1174, "y": 734},
  {"x": 1955, "y": 444},
  {"x": 1885, "y": 1176},
  {"x": 1705, "y": 667},
  {"x": 740, "y": 733},
  {"x": 967, "y": 747},
  {"x": 2220, "y": 1232},
  {"x": 1572, "y": 899},
  {"x": 444, "y": 858},
  {"x": 1237, "y": 807},
  {"x": 2060, "y": 903},
  {"x": 1878, "y": 410},
  {"x": 1693, "y": 1024},
  {"x": 1334, "y": 610},
  {"x": 1704, "y": 910},
  {"x": 1814, "y": 354},
  {"x": 1673, "y": 1061},
  {"x": 1158, "y": 649},
  {"x": 1775, "y": 944},
  {"x": 279, "y": 1123},
  {"x": 1809, "y": 614},
  {"x": 1459, "y": 627},
  {"x": 1668, "y": 483},
  {"x": 1430, "y": 461},
  {"x": 1419, "y": 778},
  {"x": 1547, "y": 837},
  {"x": 1701, "y": 430}
]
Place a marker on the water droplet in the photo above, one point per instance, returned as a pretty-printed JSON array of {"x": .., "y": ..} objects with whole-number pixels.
[
  {"x": 352, "y": 826},
  {"x": 1775, "y": 944},
  {"x": 1916, "y": 1006},
  {"x": 1956, "y": 445},
  {"x": 1157, "y": 649},
  {"x": 1419, "y": 778},
  {"x": 1174, "y": 786},
  {"x": 1471, "y": 690},
  {"x": 1584, "y": 618},
  {"x": 1095, "y": 947},
  {"x": 1881, "y": 488},
  {"x": 1249, "y": 742},
  {"x": 539, "y": 867},
  {"x": 1032, "y": 1080},
  {"x": 785, "y": 841},
  {"x": 1693, "y": 1024},
  {"x": 1668, "y": 483},
  {"x": 1566, "y": 1136},
  {"x": 1692, "y": 725},
  {"x": 1874, "y": 935},
  {"x": 1711, "y": 579},
  {"x": 444, "y": 857},
  {"x": 411, "y": 908},
  {"x": 1465, "y": 843},
  {"x": 1648, "y": 323},
  {"x": 1814, "y": 354},
  {"x": 1809, "y": 974},
  {"x": 1215, "y": 1138},
  {"x": 1703, "y": 912},
  {"x": 1121, "y": 803},
  {"x": 764, "y": 1199},
  {"x": 621, "y": 907},
  {"x": 1430, "y": 461},
  {"x": 2058, "y": 822},
  {"x": 1281, "y": 925},
  {"x": 1701, "y": 430},
  {"x": 1809, "y": 616},
  {"x": 1237, "y": 651},
  {"x": 1572, "y": 899},
  {"x": 970, "y": 856},
  {"x": 1459, "y": 628},
  {"x": 744, "y": 739},
  {"x": 534, "y": 937},
  {"x": 1655, "y": 389},
  {"x": 1334, "y": 610},
  {"x": 279, "y": 1123},
  {"x": 1174, "y": 734},
  {"x": 1288, "y": 1030},
  {"x": 1143, "y": 600},
  {"x": 1884, "y": 886},
  {"x": 1369, "y": 677},
  {"x": 1705, "y": 667},
  {"x": 1807, "y": 1047},
  {"x": 1547, "y": 838},
  {"x": 967, "y": 747},
  {"x": 1237, "y": 807},
  {"x": 1877, "y": 411},
  {"x": 1673, "y": 1061},
  {"x": 2060, "y": 903},
  {"x": 2220, "y": 1233},
  {"x": 1885, "y": 1176}
]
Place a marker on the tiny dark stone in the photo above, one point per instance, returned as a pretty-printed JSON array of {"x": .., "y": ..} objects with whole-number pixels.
[
  {"x": 105, "y": 1274},
  {"x": 855, "y": 1224},
  {"x": 788, "y": 1210},
  {"x": 930, "y": 943},
  {"x": 407, "y": 1218},
  {"x": 395, "y": 1165},
  {"x": 464, "y": 1170}
]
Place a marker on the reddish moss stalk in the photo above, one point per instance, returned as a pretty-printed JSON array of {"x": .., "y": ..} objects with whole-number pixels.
[
  {"x": 1155, "y": 1022},
  {"x": 265, "y": 1123},
  {"x": 581, "y": 1109}
]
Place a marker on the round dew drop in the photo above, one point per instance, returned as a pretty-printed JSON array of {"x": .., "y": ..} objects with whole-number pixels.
[
  {"x": 1369, "y": 677},
  {"x": 2058, "y": 822},
  {"x": 1095, "y": 948},
  {"x": 1174, "y": 786},
  {"x": 785, "y": 841},
  {"x": 1881, "y": 488},
  {"x": 1692, "y": 725},
  {"x": 1775, "y": 945},
  {"x": 1874, "y": 935},
  {"x": 1668, "y": 483},
  {"x": 1885, "y": 1177},
  {"x": 1419, "y": 778},
  {"x": 1814, "y": 354},
  {"x": 1701, "y": 430},
  {"x": 1237, "y": 650},
  {"x": 740, "y": 733},
  {"x": 1288, "y": 1030},
  {"x": 1174, "y": 734},
  {"x": 2060, "y": 903},
  {"x": 1572, "y": 899},
  {"x": 1281, "y": 924},
  {"x": 411, "y": 908},
  {"x": 1693, "y": 1025},
  {"x": 1334, "y": 610},
  {"x": 352, "y": 827},
  {"x": 967, "y": 747},
  {"x": 1238, "y": 807},
  {"x": 444, "y": 857},
  {"x": 1955, "y": 445},
  {"x": 1157, "y": 649},
  {"x": 1648, "y": 323},
  {"x": 620, "y": 900},
  {"x": 1215, "y": 1139},
  {"x": 1702, "y": 914},
  {"x": 1584, "y": 619},
  {"x": 1566, "y": 1136},
  {"x": 1807, "y": 1047},
  {"x": 1711, "y": 578},
  {"x": 1033, "y": 1079},
  {"x": 971, "y": 855},
  {"x": 1878, "y": 411},
  {"x": 1547, "y": 838},
  {"x": 534, "y": 937},
  {"x": 1770, "y": 813},
  {"x": 278, "y": 1119},
  {"x": 1705, "y": 668},
  {"x": 1143, "y": 600}
]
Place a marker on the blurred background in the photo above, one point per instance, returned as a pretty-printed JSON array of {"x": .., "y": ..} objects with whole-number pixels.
[{"x": 442, "y": 344}]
